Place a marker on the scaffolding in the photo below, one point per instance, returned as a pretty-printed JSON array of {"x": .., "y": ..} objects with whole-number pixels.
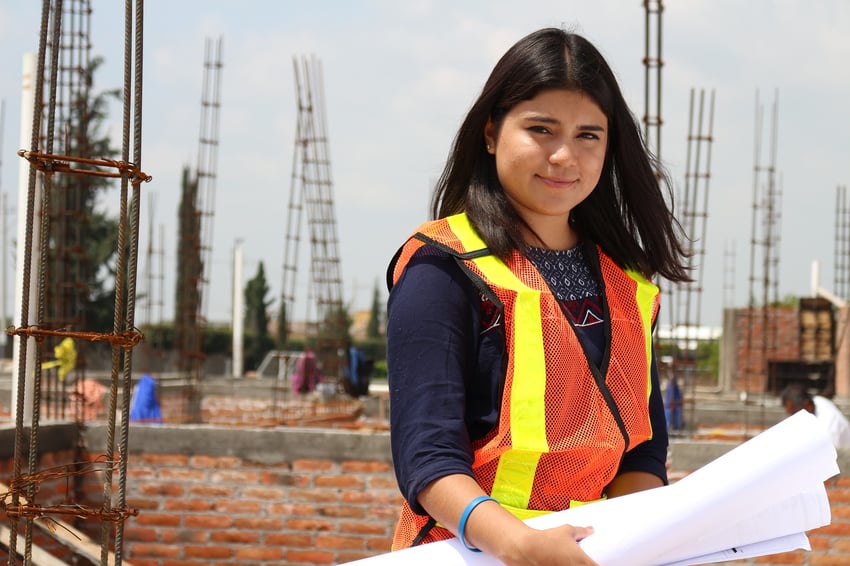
[
  {"x": 71, "y": 270},
  {"x": 196, "y": 237},
  {"x": 762, "y": 327},
  {"x": 729, "y": 273},
  {"x": 652, "y": 63},
  {"x": 311, "y": 192},
  {"x": 154, "y": 290},
  {"x": 841, "y": 274},
  {"x": 36, "y": 326},
  {"x": 694, "y": 202}
]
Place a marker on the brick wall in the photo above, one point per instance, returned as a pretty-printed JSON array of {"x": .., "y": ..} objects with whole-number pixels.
[
  {"x": 50, "y": 492},
  {"x": 209, "y": 496},
  {"x": 318, "y": 512},
  {"x": 227, "y": 510},
  {"x": 751, "y": 350}
]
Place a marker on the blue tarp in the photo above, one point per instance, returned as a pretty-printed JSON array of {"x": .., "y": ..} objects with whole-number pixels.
[{"x": 145, "y": 405}]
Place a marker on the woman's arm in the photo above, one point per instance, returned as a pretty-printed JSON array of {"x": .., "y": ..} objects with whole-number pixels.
[
  {"x": 494, "y": 530},
  {"x": 429, "y": 345},
  {"x": 630, "y": 482}
]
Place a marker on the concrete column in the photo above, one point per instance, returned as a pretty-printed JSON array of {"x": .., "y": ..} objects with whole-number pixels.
[{"x": 24, "y": 379}]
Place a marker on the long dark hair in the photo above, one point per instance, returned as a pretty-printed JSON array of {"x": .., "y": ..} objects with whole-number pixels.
[{"x": 626, "y": 214}]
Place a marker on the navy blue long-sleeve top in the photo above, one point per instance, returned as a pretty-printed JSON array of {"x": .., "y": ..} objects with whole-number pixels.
[{"x": 446, "y": 360}]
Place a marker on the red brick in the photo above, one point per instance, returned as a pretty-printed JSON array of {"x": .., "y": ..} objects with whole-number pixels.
[
  {"x": 262, "y": 554},
  {"x": 313, "y": 466},
  {"x": 238, "y": 507},
  {"x": 309, "y": 525},
  {"x": 156, "y": 550},
  {"x": 159, "y": 519},
  {"x": 161, "y": 490},
  {"x": 212, "y": 490},
  {"x": 388, "y": 483},
  {"x": 372, "y": 497},
  {"x": 337, "y": 542},
  {"x": 348, "y": 481},
  {"x": 310, "y": 556},
  {"x": 275, "y": 478},
  {"x": 289, "y": 540},
  {"x": 158, "y": 461},
  {"x": 257, "y": 523},
  {"x": 212, "y": 462},
  {"x": 263, "y": 493},
  {"x": 235, "y": 536},
  {"x": 356, "y": 467},
  {"x": 240, "y": 477},
  {"x": 796, "y": 557},
  {"x": 208, "y": 522},
  {"x": 143, "y": 503},
  {"x": 292, "y": 509},
  {"x": 183, "y": 475},
  {"x": 140, "y": 473},
  {"x": 317, "y": 495},
  {"x": 828, "y": 560},
  {"x": 380, "y": 545},
  {"x": 139, "y": 534},
  {"x": 390, "y": 513},
  {"x": 219, "y": 552},
  {"x": 841, "y": 545},
  {"x": 342, "y": 511},
  {"x": 184, "y": 505},
  {"x": 835, "y": 529},
  {"x": 183, "y": 536}
]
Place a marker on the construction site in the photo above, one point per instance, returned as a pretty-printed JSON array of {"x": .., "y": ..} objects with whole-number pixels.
[{"x": 237, "y": 468}]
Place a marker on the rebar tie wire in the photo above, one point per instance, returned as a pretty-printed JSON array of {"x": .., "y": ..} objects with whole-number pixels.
[
  {"x": 52, "y": 163},
  {"x": 126, "y": 340}
]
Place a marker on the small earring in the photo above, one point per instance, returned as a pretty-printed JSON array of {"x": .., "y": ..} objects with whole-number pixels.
[{"x": 488, "y": 147}]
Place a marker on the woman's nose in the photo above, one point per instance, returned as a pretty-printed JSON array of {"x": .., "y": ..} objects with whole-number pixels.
[{"x": 562, "y": 154}]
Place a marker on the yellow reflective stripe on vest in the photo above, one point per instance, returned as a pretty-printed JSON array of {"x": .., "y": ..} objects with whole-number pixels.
[
  {"x": 645, "y": 296},
  {"x": 516, "y": 471}
]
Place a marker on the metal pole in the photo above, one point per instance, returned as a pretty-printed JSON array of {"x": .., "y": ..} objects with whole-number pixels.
[{"x": 238, "y": 311}]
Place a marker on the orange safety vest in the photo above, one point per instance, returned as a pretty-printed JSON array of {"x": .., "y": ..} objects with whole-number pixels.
[{"x": 564, "y": 424}]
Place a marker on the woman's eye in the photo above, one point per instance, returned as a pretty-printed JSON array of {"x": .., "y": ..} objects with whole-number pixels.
[{"x": 539, "y": 129}]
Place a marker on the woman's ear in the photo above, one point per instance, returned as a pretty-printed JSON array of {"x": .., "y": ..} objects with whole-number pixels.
[{"x": 490, "y": 132}]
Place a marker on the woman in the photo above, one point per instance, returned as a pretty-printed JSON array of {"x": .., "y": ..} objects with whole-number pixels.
[{"x": 520, "y": 357}]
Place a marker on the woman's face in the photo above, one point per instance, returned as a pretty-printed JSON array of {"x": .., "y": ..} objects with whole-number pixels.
[{"x": 549, "y": 153}]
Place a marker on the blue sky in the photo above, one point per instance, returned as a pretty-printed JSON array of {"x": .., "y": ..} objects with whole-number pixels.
[{"x": 399, "y": 77}]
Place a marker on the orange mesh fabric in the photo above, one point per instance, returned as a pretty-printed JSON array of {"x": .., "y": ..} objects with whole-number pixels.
[{"x": 574, "y": 450}]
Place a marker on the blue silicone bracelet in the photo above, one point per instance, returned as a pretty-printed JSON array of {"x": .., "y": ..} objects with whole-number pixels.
[{"x": 461, "y": 527}]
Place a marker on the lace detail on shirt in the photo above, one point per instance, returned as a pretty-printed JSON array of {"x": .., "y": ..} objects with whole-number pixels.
[{"x": 566, "y": 272}]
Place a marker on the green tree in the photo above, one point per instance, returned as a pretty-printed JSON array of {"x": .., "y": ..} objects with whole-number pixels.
[
  {"x": 373, "y": 330},
  {"x": 189, "y": 267},
  {"x": 256, "y": 304},
  {"x": 257, "y": 318}
]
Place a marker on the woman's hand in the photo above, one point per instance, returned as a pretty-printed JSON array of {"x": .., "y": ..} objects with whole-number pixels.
[{"x": 556, "y": 546}]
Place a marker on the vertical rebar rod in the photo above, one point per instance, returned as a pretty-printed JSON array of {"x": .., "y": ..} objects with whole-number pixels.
[
  {"x": 749, "y": 362},
  {"x": 135, "y": 211}
]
